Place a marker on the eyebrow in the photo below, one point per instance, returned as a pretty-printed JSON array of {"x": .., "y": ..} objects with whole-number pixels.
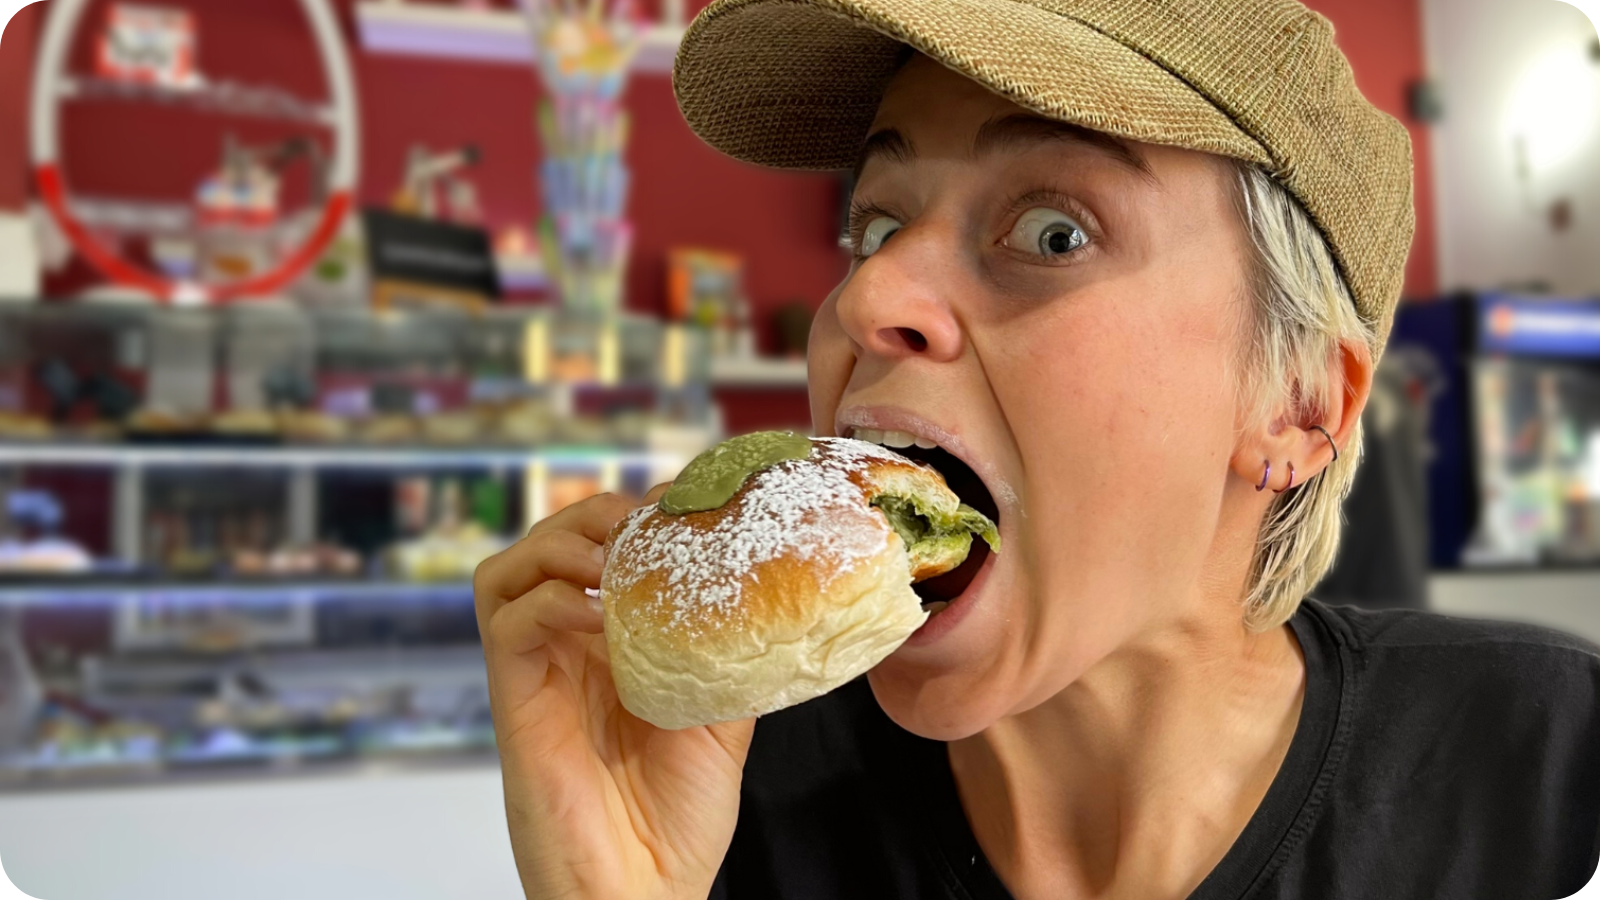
[
  {"x": 1009, "y": 132},
  {"x": 886, "y": 143}
]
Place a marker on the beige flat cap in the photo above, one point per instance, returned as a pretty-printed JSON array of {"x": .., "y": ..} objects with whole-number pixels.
[{"x": 796, "y": 83}]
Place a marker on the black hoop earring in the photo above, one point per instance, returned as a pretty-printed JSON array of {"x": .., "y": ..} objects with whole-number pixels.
[{"x": 1331, "y": 445}]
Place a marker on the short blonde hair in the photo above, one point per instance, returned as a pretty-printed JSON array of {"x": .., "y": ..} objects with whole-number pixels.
[{"x": 1300, "y": 315}]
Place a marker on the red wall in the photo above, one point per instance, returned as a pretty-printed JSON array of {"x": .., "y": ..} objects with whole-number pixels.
[
  {"x": 16, "y": 60},
  {"x": 1383, "y": 39},
  {"x": 683, "y": 193}
]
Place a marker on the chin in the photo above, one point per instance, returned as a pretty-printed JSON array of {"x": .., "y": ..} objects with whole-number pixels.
[
  {"x": 948, "y": 709},
  {"x": 951, "y": 687},
  {"x": 994, "y": 661},
  {"x": 957, "y": 674}
]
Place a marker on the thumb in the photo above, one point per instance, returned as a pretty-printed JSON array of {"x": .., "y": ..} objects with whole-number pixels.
[
  {"x": 655, "y": 493},
  {"x": 734, "y": 737}
]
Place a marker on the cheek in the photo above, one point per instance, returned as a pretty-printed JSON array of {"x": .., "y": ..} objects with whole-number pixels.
[
  {"x": 1122, "y": 409},
  {"x": 830, "y": 357},
  {"x": 1131, "y": 380}
]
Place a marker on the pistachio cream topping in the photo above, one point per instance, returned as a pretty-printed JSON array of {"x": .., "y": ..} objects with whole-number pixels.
[{"x": 712, "y": 478}]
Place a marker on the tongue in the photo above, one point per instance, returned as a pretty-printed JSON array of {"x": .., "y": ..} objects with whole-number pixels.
[{"x": 950, "y": 585}]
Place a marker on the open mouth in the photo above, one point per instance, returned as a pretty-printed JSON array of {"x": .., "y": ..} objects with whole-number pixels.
[{"x": 937, "y": 592}]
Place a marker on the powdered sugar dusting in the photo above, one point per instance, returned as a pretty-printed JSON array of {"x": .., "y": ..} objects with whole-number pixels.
[
  {"x": 858, "y": 454},
  {"x": 797, "y": 509}
]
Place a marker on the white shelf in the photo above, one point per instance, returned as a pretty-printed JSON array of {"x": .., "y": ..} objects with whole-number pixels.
[
  {"x": 441, "y": 31},
  {"x": 120, "y": 455},
  {"x": 134, "y": 216},
  {"x": 761, "y": 372},
  {"x": 226, "y": 97},
  {"x": 63, "y": 591}
]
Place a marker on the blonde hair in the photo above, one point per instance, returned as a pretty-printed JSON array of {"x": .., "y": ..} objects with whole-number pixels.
[{"x": 1300, "y": 315}]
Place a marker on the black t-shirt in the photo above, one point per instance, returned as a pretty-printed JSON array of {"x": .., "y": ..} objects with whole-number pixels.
[{"x": 1434, "y": 758}]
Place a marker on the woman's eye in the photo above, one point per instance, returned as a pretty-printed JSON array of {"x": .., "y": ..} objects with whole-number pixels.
[
  {"x": 877, "y": 233},
  {"x": 1047, "y": 232}
]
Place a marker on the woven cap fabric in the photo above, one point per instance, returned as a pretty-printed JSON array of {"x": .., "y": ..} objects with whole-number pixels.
[{"x": 796, "y": 84}]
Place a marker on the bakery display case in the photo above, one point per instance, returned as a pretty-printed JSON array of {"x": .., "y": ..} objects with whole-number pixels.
[{"x": 241, "y": 539}]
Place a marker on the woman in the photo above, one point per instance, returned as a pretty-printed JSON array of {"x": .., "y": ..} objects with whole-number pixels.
[{"x": 1132, "y": 261}]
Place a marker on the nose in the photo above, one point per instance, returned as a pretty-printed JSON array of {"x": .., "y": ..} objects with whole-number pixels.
[{"x": 897, "y": 303}]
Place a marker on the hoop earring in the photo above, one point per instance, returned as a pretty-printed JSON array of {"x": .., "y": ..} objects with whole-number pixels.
[
  {"x": 1265, "y": 475},
  {"x": 1331, "y": 445},
  {"x": 1291, "y": 480}
]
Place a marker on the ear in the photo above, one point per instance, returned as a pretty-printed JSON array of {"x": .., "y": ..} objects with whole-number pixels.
[{"x": 1288, "y": 437}]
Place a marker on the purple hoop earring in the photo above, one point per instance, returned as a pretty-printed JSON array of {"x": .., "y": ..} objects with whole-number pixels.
[
  {"x": 1265, "y": 475},
  {"x": 1291, "y": 480}
]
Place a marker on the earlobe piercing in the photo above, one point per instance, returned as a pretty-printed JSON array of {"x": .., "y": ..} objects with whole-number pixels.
[
  {"x": 1265, "y": 475},
  {"x": 1291, "y": 480}
]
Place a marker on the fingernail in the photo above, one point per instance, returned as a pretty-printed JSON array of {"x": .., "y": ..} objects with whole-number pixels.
[
  {"x": 598, "y": 554},
  {"x": 594, "y": 602}
]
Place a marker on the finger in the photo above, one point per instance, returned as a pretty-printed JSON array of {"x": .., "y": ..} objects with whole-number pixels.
[
  {"x": 593, "y": 518},
  {"x": 655, "y": 493},
  {"x": 528, "y": 622},
  {"x": 537, "y": 558}
]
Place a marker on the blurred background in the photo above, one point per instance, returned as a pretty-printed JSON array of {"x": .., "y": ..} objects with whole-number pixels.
[{"x": 307, "y": 306}]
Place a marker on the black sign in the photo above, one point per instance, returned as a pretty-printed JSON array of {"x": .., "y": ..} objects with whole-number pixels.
[{"x": 421, "y": 251}]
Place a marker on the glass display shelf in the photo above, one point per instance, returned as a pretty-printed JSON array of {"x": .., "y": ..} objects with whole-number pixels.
[
  {"x": 22, "y": 776},
  {"x": 126, "y": 713},
  {"x": 253, "y": 553},
  {"x": 280, "y": 457}
]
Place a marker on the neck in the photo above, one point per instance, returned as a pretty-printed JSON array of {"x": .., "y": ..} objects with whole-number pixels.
[{"x": 1136, "y": 779}]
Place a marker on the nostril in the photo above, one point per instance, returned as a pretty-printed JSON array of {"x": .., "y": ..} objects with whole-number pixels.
[{"x": 904, "y": 338}]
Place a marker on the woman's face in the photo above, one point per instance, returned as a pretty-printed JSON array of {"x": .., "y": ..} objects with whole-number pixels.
[{"x": 1061, "y": 312}]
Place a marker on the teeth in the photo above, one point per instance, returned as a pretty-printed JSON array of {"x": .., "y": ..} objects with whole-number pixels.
[
  {"x": 935, "y": 607},
  {"x": 896, "y": 439}
]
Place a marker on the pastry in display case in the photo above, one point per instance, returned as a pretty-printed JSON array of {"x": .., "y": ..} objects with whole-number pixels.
[
  {"x": 32, "y": 540},
  {"x": 524, "y": 423},
  {"x": 15, "y": 426},
  {"x": 306, "y": 426},
  {"x": 244, "y": 424},
  {"x": 160, "y": 425},
  {"x": 459, "y": 428},
  {"x": 388, "y": 429}
]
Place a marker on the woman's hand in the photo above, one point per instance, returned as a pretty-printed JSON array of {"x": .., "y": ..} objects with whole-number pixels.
[{"x": 601, "y": 804}]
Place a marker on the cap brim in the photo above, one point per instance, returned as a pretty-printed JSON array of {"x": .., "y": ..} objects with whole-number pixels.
[{"x": 796, "y": 83}]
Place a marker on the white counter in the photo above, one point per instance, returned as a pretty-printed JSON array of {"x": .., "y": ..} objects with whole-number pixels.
[
  {"x": 1568, "y": 600},
  {"x": 401, "y": 834}
]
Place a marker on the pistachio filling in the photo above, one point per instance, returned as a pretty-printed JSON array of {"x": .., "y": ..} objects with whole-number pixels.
[{"x": 935, "y": 533}]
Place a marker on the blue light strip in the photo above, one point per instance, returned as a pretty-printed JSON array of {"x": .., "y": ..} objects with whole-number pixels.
[{"x": 1539, "y": 326}]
